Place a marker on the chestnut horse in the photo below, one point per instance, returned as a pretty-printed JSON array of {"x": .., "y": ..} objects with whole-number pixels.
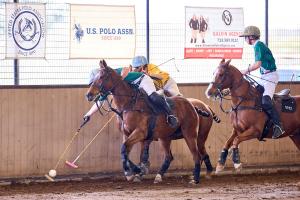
[
  {"x": 136, "y": 117},
  {"x": 247, "y": 117},
  {"x": 206, "y": 118}
]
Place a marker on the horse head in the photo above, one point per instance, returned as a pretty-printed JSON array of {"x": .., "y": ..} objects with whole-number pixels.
[
  {"x": 103, "y": 81},
  {"x": 224, "y": 77}
]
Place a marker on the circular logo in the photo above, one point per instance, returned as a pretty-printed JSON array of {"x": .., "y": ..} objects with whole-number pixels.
[
  {"x": 227, "y": 17},
  {"x": 27, "y": 30}
]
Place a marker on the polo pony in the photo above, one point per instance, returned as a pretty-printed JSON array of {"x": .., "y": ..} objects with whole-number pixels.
[
  {"x": 137, "y": 120},
  {"x": 248, "y": 119}
]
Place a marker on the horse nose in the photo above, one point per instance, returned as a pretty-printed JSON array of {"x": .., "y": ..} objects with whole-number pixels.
[
  {"x": 89, "y": 96},
  {"x": 208, "y": 91}
]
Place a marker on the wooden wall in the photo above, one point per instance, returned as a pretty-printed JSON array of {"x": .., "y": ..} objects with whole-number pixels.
[{"x": 37, "y": 124}]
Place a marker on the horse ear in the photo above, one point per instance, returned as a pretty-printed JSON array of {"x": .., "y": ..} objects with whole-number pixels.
[
  {"x": 222, "y": 61},
  {"x": 228, "y": 62},
  {"x": 102, "y": 64}
]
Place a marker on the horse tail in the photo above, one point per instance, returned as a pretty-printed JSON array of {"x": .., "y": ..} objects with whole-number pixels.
[{"x": 214, "y": 116}]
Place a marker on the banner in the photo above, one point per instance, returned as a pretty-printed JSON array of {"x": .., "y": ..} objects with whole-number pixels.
[
  {"x": 25, "y": 30},
  {"x": 102, "y": 31},
  {"x": 213, "y": 32}
]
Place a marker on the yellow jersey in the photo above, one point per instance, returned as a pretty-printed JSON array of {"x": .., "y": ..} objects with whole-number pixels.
[{"x": 159, "y": 77}]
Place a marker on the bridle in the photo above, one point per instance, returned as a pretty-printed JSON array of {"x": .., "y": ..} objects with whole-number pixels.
[
  {"x": 238, "y": 106},
  {"x": 219, "y": 85},
  {"x": 106, "y": 76}
]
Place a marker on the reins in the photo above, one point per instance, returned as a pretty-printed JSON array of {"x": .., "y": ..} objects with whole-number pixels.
[
  {"x": 136, "y": 94},
  {"x": 238, "y": 106}
]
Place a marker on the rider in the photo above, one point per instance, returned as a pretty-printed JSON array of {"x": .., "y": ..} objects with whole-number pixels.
[
  {"x": 162, "y": 80},
  {"x": 265, "y": 61},
  {"x": 146, "y": 83}
]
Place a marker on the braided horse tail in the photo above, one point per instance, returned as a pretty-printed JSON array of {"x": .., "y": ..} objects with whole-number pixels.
[
  {"x": 205, "y": 113},
  {"x": 214, "y": 116}
]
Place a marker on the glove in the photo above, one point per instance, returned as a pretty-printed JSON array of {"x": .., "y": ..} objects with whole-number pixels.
[{"x": 86, "y": 118}]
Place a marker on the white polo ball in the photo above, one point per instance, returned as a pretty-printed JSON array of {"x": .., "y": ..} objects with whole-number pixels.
[{"x": 52, "y": 173}]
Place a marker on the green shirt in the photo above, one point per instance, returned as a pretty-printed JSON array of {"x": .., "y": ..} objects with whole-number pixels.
[
  {"x": 264, "y": 54},
  {"x": 131, "y": 76}
]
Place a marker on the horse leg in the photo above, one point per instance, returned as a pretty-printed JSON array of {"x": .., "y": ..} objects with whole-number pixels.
[
  {"x": 202, "y": 151},
  {"x": 168, "y": 159},
  {"x": 144, "y": 157},
  {"x": 246, "y": 135},
  {"x": 223, "y": 156},
  {"x": 296, "y": 140},
  {"x": 191, "y": 142},
  {"x": 129, "y": 166}
]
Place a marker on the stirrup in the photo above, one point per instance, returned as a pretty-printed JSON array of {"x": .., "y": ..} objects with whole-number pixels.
[{"x": 277, "y": 131}]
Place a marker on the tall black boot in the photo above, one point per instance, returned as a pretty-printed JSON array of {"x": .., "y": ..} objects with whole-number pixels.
[
  {"x": 273, "y": 115},
  {"x": 161, "y": 101},
  {"x": 191, "y": 40},
  {"x": 195, "y": 40}
]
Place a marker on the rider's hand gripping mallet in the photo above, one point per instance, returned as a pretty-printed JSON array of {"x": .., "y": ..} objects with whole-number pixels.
[
  {"x": 72, "y": 164},
  {"x": 52, "y": 173}
]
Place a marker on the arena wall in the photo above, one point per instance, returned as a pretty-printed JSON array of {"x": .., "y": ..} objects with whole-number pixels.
[{"x": 37, "y": 123}]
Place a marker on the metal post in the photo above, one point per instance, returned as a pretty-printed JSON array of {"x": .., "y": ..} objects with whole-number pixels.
[
  {"x": 16, "y": 71},
  {"x": 16, "y": 65},
  {"x": 147, "y": 30},
  {"x": 267, "y": 21}
]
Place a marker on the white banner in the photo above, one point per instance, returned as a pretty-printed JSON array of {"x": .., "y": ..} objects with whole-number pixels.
[
  {"x": 99, "y": 31},
  {"x": 25, "y": 30},
  {"x": 213, "y": 32}
]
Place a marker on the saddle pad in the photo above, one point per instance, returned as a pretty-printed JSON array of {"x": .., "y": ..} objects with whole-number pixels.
[{"x": 288, "y": 105}]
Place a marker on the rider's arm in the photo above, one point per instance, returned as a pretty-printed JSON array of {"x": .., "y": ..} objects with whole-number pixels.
[
  {"x": 252, "y": 67},
  {"x": 93, "y": 109},
  {"x": 125, "y": 72}
]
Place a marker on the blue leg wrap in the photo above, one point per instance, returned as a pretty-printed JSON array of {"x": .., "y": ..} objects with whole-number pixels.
[
  {"x": 165, "y": 166},
  {"x": 207, "y": 162},
  {"x": 145, "y": 155},
  {"x": 134, "y": 168},
  {"x": 197, "y": 170},
  {"x": 124, "y": 158},
  {"x": 223, "y": 156},
  {"x": 236, "y": 156}
]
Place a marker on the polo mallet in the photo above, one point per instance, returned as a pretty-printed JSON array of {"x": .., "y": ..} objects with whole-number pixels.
[
  {"x": 72, "y": 164},
  {"x": 52, "y": 172}
]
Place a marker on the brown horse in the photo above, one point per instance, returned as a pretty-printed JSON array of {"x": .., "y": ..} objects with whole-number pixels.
[
  {"x": 205, "y": 123},
  {"x": 247, "y": 117},
  {"x": 136, "y": 115}
]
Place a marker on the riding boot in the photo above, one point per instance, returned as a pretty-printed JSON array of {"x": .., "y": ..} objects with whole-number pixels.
[
  {"x": 191, "y": 40},
  {"x": 195, "y": 40},
  {"x": 161, "y": 101},
  {"x": 273, "y": 115}
]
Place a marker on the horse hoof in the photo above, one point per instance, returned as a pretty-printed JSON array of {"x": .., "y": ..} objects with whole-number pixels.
[
  {"x": 237, "y": 166},
  {"x": 219, "y": 168},
  {"x": 130, "y": 177},
  {"x": 193, "y": 182},
  {"x": 158, "y": 179},
  {"x": 137, "y": 179}
]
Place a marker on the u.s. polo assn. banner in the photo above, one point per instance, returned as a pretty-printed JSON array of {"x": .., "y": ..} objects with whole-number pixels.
[
  {"x": 213, "y": 32},
  {"x": 25, "y": 30},
  {"x": 99, "y": 31}
]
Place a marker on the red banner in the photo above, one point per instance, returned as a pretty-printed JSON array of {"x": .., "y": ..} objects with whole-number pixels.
[{"x": 213, "y": 53}]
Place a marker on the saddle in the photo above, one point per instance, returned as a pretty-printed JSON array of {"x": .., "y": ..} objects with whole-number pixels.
[{"x": 283, "y": 102}]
